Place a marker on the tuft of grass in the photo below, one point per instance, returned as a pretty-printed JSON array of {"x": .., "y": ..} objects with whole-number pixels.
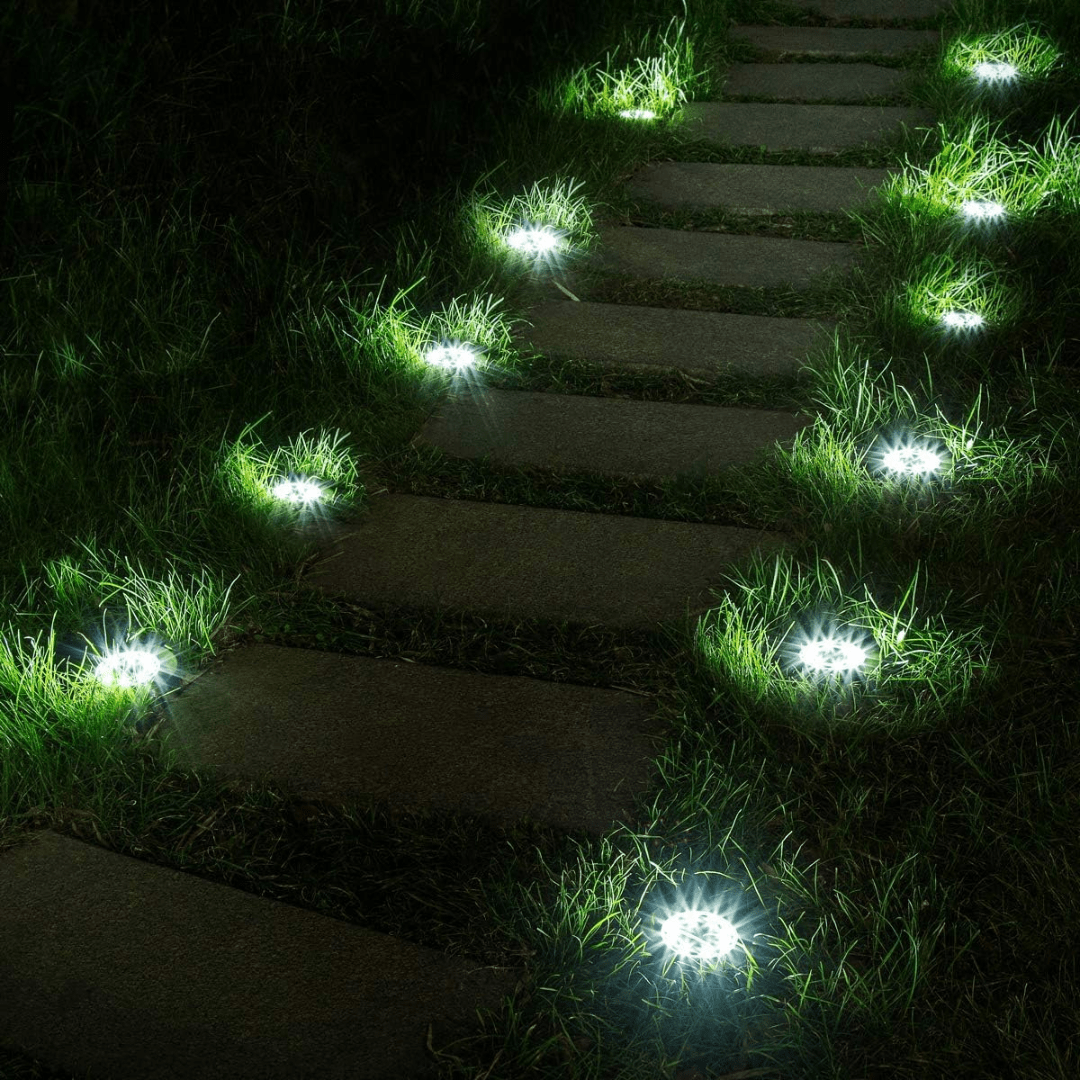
[
  {"x": 918, "y": 671},
  {"x": 1022, "y": 46}
]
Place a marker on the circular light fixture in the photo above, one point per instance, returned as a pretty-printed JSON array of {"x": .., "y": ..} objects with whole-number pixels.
[
  {"x": 637, "y": 114},
  {"x": 833, "y": 656},
  {"x": 994, "y": 70},
  {"x": 699, "y": 935},
  {"x": 128, "y": 668},
  {"x": 962, "y": 320},
  {"x": 451, "y": 357},
  {"x": 982, "y": 209},
  {"x": 911, "y": 460},
  {"x": 533, "y": 240},
  {"x": 298, "y": 492}
]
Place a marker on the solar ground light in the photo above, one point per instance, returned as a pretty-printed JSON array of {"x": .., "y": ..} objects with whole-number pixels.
[
  {"x": 982, "y": 210},
  {"x": 994, "y": 71},
  {"x": 637, "y": 114},
  {"x": 830, "y": 654},
  {"x": 536, "y": 241},
  {"x": 962, "y": 320},
  {"x": 911, "y": 459},
  {"x": 299, "y": 492},
  {"x": 699, "y": 935},
  {"x": 128, "y": 667},
  {"x": 452, "y": 357}
]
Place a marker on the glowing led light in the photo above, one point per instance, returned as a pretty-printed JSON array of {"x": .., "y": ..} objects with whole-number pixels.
[
  {"x": 300, "y": 492},
  {"x": 451, "y": 357},
  {"x": 962, "y": 320},
  {"x": 982, "y": 209},
  {"x": 638, "y": 114},
  {"x": 911, "y": 460},
  {"x": 533, "y": 241},
  {"x": 994, "y": 70},
  {"x": 832, "y": 655},
  {"x": 128, "y": 667},
  {"x": 699, "y": 935}
]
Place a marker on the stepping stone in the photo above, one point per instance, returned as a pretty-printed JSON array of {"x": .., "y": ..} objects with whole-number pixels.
[
  {"x": 623, "y": 336},
  {"x": 419, "y": 737},
  {"x": 527, "y": 562},
  {"x": 873, "y": 10},
  {"x": 817, "y": 128},
  {"x": 834, "y": 41},
  {"x": 719, "y": 258},
  {"x": 755, "y": 189},
  {"x": 814, "y": 82},
  {"x": 650, "y": 440},
  {"x": 120, "y": 968}
]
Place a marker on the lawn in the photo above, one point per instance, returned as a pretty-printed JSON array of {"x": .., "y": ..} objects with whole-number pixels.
[{"x": 231, "y": 302}]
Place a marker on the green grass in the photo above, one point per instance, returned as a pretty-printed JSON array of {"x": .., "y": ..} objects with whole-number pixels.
[{"x": 215, "y": 276}]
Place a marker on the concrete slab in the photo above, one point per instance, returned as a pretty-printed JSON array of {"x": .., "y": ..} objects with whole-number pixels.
[
  {"x": 418, "y": 737},
  {"x": 814, "y": 82},
  {"x": 116, "y": 967},
  {"x": 521, "y": 562},
  {"x": 646, "y": 440},
  {"x": 834, "y": 41},
  {"x": 755, "y": 189},
  {"x": 623, "y": 336},
  {"x": 878, "y": 11},
  {"x": 719, "y": 258},
  {"x": 815, "y": 128}
]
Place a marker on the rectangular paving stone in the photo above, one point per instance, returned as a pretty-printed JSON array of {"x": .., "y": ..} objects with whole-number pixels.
[
  {"x": 719, "y": 258},
  {"x": 814, "y": 82},
  {"x": 816, "y": 128},
  {"x": 626, "y": 336},
  {"x": 130, "y": 971},
  {"x": 419, "y": 737},
  {"x": 834, "y": 41},
  {"x": 873, "y": 10},
  {"x": 755, "y": 189},
  {"x": 650, "y": 440},
  {"x": 522, "y": 562}
]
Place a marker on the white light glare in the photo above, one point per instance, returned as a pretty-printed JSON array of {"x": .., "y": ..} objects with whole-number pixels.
[
  {"x": 301, "y": 492},
  {"x": 982, "y": 209},
  {"x": 832, "y": 655},
  {"x": 994, "y": 70},
  {"x": 533, "y": 241},
  {"x": 699, "y": 935},
  {"x": 911, "y": 460},
  {"x": 962, "y": 320},
  {"x": 451, "y": 357},
  {"x": 128, "y": 667},
  {"x": 638, "y": 114}
]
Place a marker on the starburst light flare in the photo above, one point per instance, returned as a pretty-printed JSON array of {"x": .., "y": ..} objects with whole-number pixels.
[
  {"x": 911, "y": 460},
  {"x": 298, "y": 492},
  {"x": 994, "y": 70},
  {"x": 128, "y": 668},
  {"x": 982, "y": 209},
  {"x": 699, "y": 935},
  {"x": 451, "y": 357},
  {"x": 833, "y": 656},
  {"x": 534, "y": 241},
  {"x": 962, "y": 320}
]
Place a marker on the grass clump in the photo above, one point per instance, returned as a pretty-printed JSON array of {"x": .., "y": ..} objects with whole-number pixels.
[
  {"x": 890, "y": 665},
  {"x": 1022, "y": 47}
]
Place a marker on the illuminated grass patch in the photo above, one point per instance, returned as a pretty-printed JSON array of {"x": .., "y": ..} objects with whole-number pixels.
[
  {"x": 305, "y": 476},
  {"x": 960, "y": 295},
  {"x": 801, "y": 644},
  {"x": 1003, "y": 59},
  {"x": 653, "y": 84},
  {"x": 538, "y": 229}
]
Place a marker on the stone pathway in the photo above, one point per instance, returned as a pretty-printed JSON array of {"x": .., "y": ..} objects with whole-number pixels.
[{"x": 134, "y": 970}]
